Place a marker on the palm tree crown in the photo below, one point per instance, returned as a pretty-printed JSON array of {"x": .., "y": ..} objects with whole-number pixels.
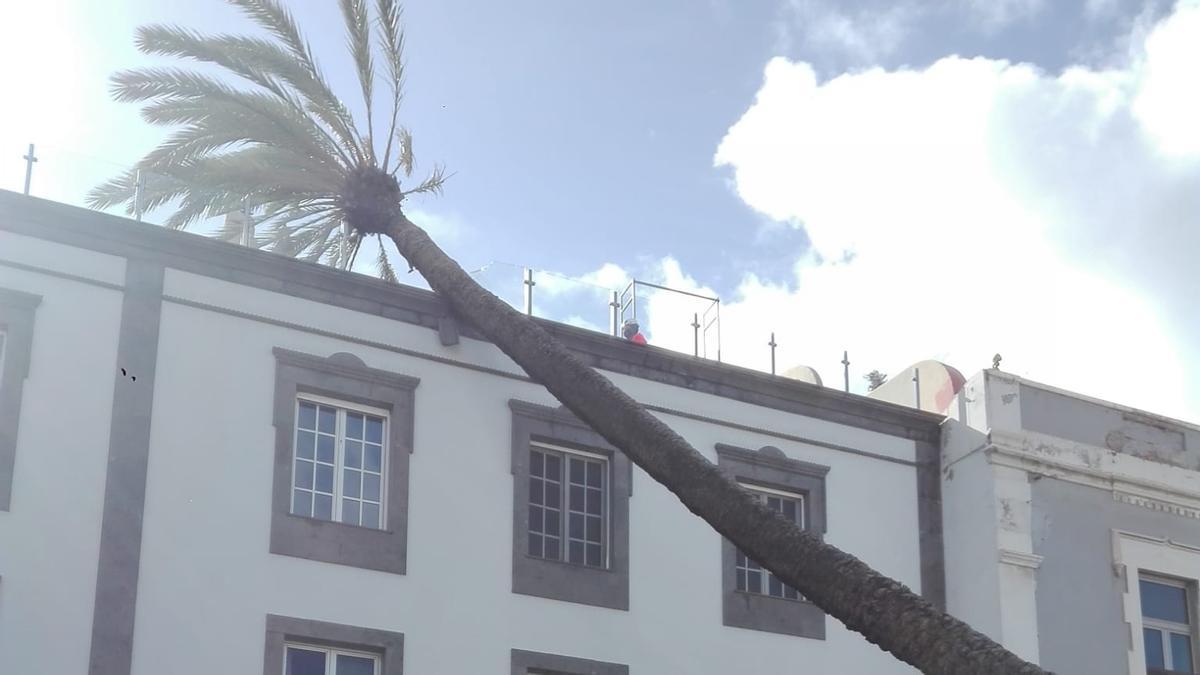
[{"x": 276, "y": 143}]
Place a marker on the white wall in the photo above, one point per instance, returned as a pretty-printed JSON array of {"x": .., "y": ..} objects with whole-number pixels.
[
  {"x": 50, "y": 537},
  {"x": 206, "y": 571}
]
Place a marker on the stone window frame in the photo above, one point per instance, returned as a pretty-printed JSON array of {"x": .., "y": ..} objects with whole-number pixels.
[
  {"x": 769, "y": 467},
  {"x": 17, "y": 310},
  {"x": 556, "y": 580},
  {"x": 344, "y": 377},
  {"x": 525, "y": 662},
  {"x": 281, "y": 630}
]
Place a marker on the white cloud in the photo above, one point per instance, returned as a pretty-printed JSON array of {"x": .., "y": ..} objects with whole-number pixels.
[
  {"x": 865, "y": 35},
  {"x": 990, "y": 207}
]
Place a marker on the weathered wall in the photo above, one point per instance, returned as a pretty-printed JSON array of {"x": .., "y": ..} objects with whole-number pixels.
[{"x": 1079, "y": 597}]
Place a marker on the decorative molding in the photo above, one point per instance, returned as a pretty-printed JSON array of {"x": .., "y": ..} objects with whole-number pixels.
[
  {"x": 1156, "y": 504},
  {"x": 1020, "y": 559},
  {"x": 1067, "y": 463}
]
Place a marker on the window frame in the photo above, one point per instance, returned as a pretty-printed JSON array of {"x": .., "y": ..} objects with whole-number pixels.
[
  {"x": 525, "y": 662},
  {"x": 331, "y": 654},
  {"x": 283, "y": 631},
  {"x": 766, "y": 575},
  {"x": 565, "y": 502},
  {"x": 556, "y": 579},
  {"x": 342, "y": 408},
  {"x": 1167, "y": 628},
  {"x": 768, "y": 468},
  {"x": 344, "y": 379},
  {"x": 17, "y": 314}
]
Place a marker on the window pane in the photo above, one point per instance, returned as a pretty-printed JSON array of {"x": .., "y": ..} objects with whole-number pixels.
[
  {"x": 305, "y": 662},
  {"x": 1160, "y": 601},
  {"x": 536, "y": 488},
  {"x": 774, "y": 587},
  {"x": 350, "y": 511},
  {"x": 594, "y": 555},
  {"x": 553, "y": 523},
  {"x": 305, "y": 441},
  {"x": 375, "y": 430},
  {"x": 304, "y": 474},
  {"x": 593, "y": 529},
  {"x": 553, "y": 548},
  {"x": 324, "y": 478},
  {"x": 324, "y": 448},
  {"x": 354, "y": 665},
  {"x": 741, "y": 579},
  {"x": 535, "y": 544},
  {"x": 535, "y": 519},
  {"x": 323, "y": 507},
  {"x": 327, "y": 420},
  {"x": 301, "y": 503},
  {"x": 354, "y": 454},
  {"x": 754, "y": 582},
  {"x": 354, "y": 425},
  {"x": 593, "y": 474},
  {"x": 350, "y": 482},
  {"x": 554, "y": 467},
  {"x": 373, "y": 461},
  {"x": 1181, "y": 653},
  {"x": 308, "y": 416},
  {"x": 536, "y": 465},
  {"x": 577, "y": 470},
  {"x": 575, "y": 521},
  {"x": 1154, "y": 648},
  {"x": 370, "y": 515},
  {"x": 575, "y": 552},
  {"x": 371, "y": 487},
  {"x": 789, "y": 510},
  {"x": 553, "y": 496},
  {"x": 595, "y": 499},
  {"x": 576, "y": 503}
]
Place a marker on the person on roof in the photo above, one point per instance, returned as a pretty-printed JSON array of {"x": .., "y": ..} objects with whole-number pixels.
[{"x": 632, "y": 333}]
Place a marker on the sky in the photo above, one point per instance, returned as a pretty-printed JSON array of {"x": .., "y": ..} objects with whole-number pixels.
[{"x": 903, "y": 180}]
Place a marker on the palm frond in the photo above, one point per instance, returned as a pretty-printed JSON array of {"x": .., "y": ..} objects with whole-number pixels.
[
  {"x": 392, "y": 36},
  {"x": 358, "y": 37},
  {"x": 431, "y": 185},
  {"x": 258, "y": 61},
  {"x": 384, "y": 266},
  {"x": 405, "y": 158},
  {"x": 277, "y": 20}
]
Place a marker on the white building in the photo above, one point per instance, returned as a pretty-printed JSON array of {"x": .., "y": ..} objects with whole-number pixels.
[
  {"x": 183, "y": 424},
  {"x": 1072, "y": 525}
]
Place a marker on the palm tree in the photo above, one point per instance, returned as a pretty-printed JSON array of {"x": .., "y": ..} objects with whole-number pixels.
[{"x": 287, "y": 145}]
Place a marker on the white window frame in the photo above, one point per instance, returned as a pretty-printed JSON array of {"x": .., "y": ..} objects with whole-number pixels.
[
  {"x": 802, "y": 505},
  {"x": 1136, "y": 555},
  {"x": 1166, "y": 628},
  {"x": 342, "y": 407},
  {"x": 331, "y": 655},
  {"x": 606, "y": 497}
]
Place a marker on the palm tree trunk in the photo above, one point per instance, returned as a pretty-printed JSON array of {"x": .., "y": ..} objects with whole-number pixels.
[{"x": 883, "y": 610}]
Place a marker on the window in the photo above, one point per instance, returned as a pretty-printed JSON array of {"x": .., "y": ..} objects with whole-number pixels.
[
  {"x": 339, "y": 465},
  {"x": 343, "y": 435},
  {"x": 16, "y": 350},
  {"x": 570, "y": 510},
  {"x": 563, "y": 480},
  {"x": 537, "y": 663},
  {"x": 751, "y": 596},
  {"x": 305, "y": 647},
  {"x": 1167, "y": 625},
  {"x": 750, "y": 578},
  {"x": 310, "y": 660}
]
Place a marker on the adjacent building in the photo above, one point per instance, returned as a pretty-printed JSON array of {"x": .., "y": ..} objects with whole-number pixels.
[
  {"x": 218, "y": 460},
  {"x": 1072, "y": 525}
]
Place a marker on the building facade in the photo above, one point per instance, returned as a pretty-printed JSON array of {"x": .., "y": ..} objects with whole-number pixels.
[
  {"x": 214, "y": 459},
  {"x": 1072, "y": 527}
]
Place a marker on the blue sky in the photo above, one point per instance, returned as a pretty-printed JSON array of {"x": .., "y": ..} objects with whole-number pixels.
[{"x": 906, "y": 180}]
